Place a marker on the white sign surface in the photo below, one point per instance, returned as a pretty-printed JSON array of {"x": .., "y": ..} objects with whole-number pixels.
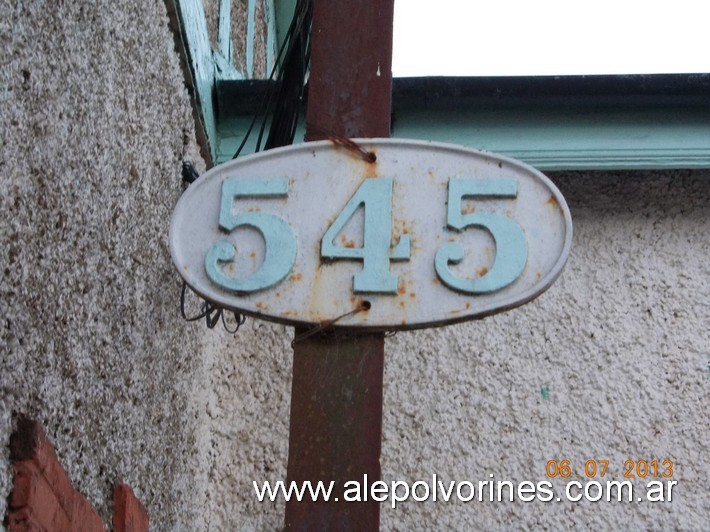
[{"x": 424, "y": 235}]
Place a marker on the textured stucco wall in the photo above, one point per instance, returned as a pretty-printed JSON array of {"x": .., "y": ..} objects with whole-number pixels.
[
  {"x": 94, "y": 123},
  {"x": 239, "y": 14},
  {"x": 621, "y": 342}
]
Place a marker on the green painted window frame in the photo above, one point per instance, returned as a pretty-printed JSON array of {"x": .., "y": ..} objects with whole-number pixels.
[{"x": 551, "y": 122}]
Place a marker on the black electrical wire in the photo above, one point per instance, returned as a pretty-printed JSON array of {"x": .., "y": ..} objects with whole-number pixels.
[
  {"x": 212, "y": 313},
  {"x": 283, "y": 99}
]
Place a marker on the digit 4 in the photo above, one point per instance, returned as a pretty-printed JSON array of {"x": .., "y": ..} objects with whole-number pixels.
[{"x": 375, "y": 197}]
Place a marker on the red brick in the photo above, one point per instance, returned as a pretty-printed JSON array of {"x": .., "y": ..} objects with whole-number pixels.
[
  {"x": 29, "y": 444},
  {"x": 23, "y": 442},
  {"x": 25, "y": 475},
  {"x": 36, "y": 496},
  {"x": 21, "y": 521},
  {"x": 43, "y": 498},
  {"x": 129, "y": 515},
  {"x": 85, "y": 518},
  {"x": 59, "y": 482},
  {"x": 44, "y": 450},
  {"x": 45, "y": 458}
]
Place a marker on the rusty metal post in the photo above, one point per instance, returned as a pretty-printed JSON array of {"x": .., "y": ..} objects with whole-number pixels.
[{"x": 336, "y": 398}]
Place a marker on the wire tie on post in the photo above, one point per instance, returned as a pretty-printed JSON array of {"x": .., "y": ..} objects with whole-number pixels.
[
  {"x": 345, "y": 142},
  {"x": 363, "y": 306}
]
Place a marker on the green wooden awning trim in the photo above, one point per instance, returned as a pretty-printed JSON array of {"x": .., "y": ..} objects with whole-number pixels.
[
  {"x": 209, "y": 66},
  {"x": 576, "y": 123},
  {"x": 553, "y": 123}
]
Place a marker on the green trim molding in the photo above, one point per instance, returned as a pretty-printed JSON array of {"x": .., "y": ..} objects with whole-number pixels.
[{"x": 552, "y": 123}]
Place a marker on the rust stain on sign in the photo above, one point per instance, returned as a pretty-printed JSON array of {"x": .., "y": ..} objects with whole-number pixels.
[
  {"x": 552, "y": 202},
  {"x": 425, "y": 223}
]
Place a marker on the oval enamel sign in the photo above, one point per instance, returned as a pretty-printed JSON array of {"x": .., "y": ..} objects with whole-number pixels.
[{"x": 420, "y": 234}]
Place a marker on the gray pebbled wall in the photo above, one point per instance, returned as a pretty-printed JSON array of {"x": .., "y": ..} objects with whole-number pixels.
[
  {"x": 610, "y": 363},
  {"x": 94, "y": 123}
]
